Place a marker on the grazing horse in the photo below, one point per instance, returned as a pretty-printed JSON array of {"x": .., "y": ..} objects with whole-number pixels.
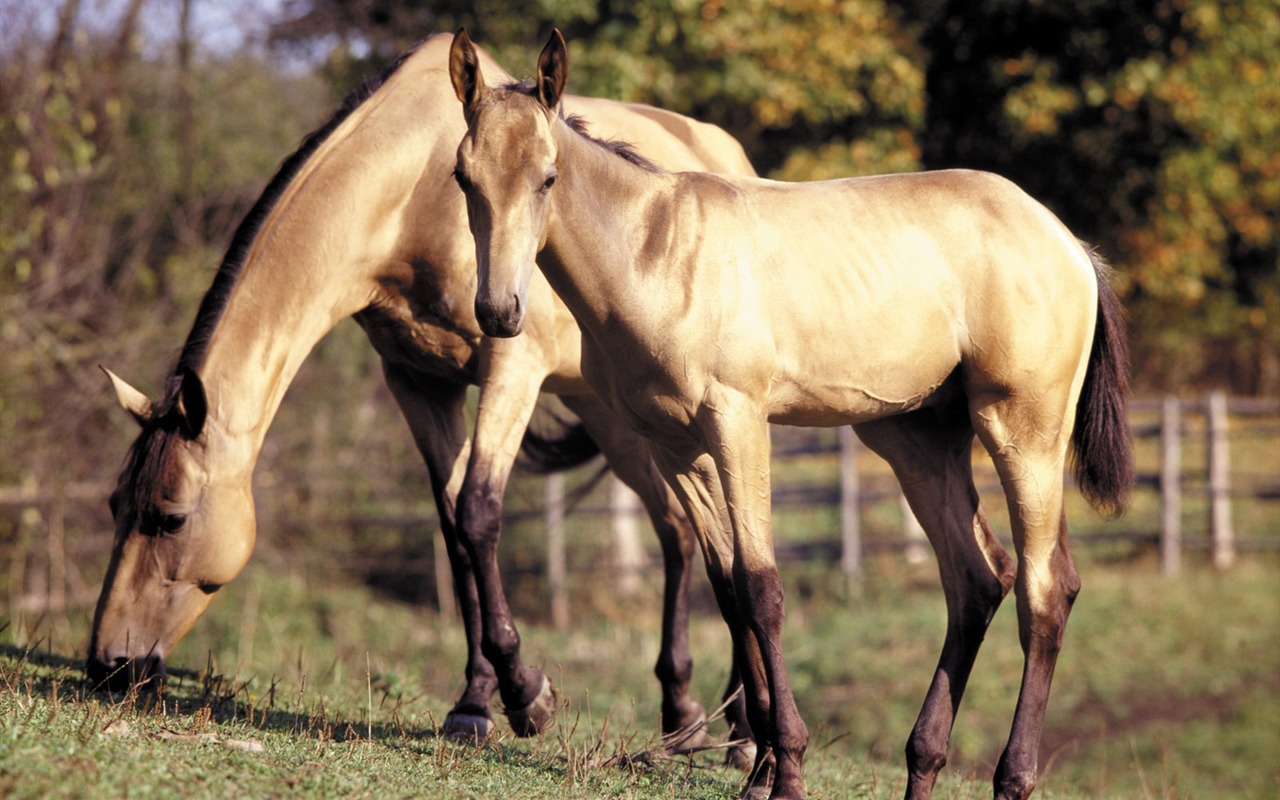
[
  {"x": 364, "y": 219},
  {"x": 921, "y": 309}
]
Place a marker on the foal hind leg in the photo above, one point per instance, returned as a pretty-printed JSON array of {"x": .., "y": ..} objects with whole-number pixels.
[
  {"x": 434, "y": 412},
  {"x": 628, "y": 457},
  {"x": 930, "y": 456},
  {"x": 1028, "y": 442}
]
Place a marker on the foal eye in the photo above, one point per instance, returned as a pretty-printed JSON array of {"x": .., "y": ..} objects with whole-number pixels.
[
  {"x": 172, "y": 523},
  {"x": 549, "y": 182}
]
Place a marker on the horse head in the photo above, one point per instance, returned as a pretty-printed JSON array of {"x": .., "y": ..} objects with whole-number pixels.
[
  {"x": 183, "y": 529},
  {"x": 506, "y": 167}
]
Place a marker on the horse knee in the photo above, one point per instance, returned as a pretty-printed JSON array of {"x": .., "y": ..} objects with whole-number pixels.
[{"x": 479, "y": 515}]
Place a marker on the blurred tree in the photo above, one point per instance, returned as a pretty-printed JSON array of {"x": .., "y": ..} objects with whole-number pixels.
[
  {"x": 1152, "y": 129},
  {"x": 123, "y": 168},
  {"x": 813, "y": 88}
]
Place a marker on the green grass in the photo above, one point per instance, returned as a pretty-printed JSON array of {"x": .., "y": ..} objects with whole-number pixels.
[{"x": 1166, "y": 688}]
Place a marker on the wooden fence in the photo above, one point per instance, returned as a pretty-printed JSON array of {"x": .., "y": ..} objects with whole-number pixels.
[
  {"x": 1197, "y": 457},
  {"x": 1173, "y": 424}
]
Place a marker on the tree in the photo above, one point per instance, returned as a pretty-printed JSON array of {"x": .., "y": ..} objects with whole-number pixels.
[
  {"x": 812, "y": 89},
  {"x": 1152, "y": 129}
]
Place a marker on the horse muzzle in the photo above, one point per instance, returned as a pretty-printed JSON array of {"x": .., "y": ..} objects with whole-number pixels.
[{"x": 121, "y": 673}]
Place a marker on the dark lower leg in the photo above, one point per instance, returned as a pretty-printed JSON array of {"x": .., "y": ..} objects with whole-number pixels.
[
  {"x": 524, "y": 690},
  {"x": 674, "y": 668},
  {"x": 786, "y": 732},
  {"x": 1041, "y": 628}
]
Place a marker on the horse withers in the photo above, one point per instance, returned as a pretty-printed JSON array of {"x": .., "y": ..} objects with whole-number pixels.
[{"x": 922, "y": 309}]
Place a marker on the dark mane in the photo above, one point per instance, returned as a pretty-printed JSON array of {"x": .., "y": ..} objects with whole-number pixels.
[
  {"x": 624, "y": 150},
  {"x": 215, "y": 300}
]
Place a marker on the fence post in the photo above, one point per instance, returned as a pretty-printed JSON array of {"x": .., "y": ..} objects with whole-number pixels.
[
  {"x": 850, "y": 526},
  {"x": 917, "y": 549},
  {"x": 445, "y": 598},
  {"x": 628, "y": 553},
  {"x": 556, "y": 569},
  {"x": 1170, "y": 487},
  {"x": 1224, "y": 551}
]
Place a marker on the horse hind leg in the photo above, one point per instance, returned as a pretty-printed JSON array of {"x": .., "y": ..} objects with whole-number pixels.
[
  {"x": 931, "y": 457},
  {"x": 1028, "y": 442},
  {"x": 684, "y": 720}
]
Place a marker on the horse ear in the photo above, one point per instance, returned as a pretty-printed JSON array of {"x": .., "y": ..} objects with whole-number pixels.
[
  {"x": 464, "y": 70},
  {"x": 553, "y": 70},
  {"x": 192, "y": 404},
  {"x": 129, "y": 398}
]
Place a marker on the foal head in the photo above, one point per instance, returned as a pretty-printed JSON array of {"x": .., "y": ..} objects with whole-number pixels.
[
  {"x": 183, "y": 528},
  {"x": 506, "y": 168}
]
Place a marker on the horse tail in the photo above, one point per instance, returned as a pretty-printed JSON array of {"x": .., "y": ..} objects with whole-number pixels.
[
  {"x": 561, "y": 445},
  {"x": 568, "y": 447},
  {"x": 1103, "y": 450}
]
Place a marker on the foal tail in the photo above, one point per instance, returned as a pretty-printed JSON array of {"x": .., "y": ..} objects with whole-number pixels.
[{"x": 1103, "y": 451}]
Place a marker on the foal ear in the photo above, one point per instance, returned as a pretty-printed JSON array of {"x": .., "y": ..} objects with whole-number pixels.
[
  {"x": 464, "y": 70},
  {"x": 129, "y": 398},
  {"x": 553, "y": 70}
]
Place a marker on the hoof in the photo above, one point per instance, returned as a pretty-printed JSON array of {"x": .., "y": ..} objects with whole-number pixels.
[
  {"x": 466, "y": 728},
  {"x": 742, "y": 757},
  {"x": 755, "y": 793},
  {"x": 689, "y": 737},
  {"x": 535, "y": 717}
]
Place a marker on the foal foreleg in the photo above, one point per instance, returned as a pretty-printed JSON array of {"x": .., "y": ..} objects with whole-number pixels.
[
  {"x": 434, "y": 412},
  {"x": 737, "y": 437},
  {"x": 508, "y": 393}
]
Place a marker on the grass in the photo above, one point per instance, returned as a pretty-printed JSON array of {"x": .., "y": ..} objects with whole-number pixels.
[{"x": 299, "y": 684}]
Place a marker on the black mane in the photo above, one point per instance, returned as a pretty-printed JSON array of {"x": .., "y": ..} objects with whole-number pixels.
[{"x": 215, "y": 300}]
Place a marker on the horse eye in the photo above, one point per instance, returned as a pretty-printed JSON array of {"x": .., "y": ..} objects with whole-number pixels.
[
  {"x": 460, "y": 178},
  {"x": 172, "y": 523},
  {"x": 549, "y": 182}
]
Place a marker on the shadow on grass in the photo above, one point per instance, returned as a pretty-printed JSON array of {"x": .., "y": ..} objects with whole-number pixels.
[{"x": 207, "y": 696}]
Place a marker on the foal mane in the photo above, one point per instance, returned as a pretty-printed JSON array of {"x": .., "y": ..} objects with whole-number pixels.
[{"x": 624, "y": 150}]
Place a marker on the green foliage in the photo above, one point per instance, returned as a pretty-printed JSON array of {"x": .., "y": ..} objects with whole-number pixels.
[{"x": 1152, "y": 130}]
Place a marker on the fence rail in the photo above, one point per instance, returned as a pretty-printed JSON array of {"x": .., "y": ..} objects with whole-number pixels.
[
  {"x": 1188, "y": 449},
  {"x": 1179, "y": 480}
]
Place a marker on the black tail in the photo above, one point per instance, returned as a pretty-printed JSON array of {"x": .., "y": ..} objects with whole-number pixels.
[
  {"x": 1103, "y": 450},
  {"x": 565, "y": 444}
]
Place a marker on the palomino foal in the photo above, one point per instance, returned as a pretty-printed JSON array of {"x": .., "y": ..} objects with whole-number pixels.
[{"x": 922, "y": 309}]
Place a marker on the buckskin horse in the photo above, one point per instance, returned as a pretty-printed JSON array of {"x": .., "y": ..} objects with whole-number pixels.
[
  {"x": 365, "y": 220},
  {"x": 922, "y": 309}
]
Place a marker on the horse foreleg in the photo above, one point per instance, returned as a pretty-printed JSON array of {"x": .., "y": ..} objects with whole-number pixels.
[
  {"x": 433, "y": 410},
  {"x": 628, "y": 455},
  {"x": 508, "y": 394},
  {"x": 932, "y": 461}
]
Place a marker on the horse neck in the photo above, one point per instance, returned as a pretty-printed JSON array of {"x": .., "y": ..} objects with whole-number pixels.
[
  {"x": 314, "y": 261},
  {"x": 602, "y": 228}
]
